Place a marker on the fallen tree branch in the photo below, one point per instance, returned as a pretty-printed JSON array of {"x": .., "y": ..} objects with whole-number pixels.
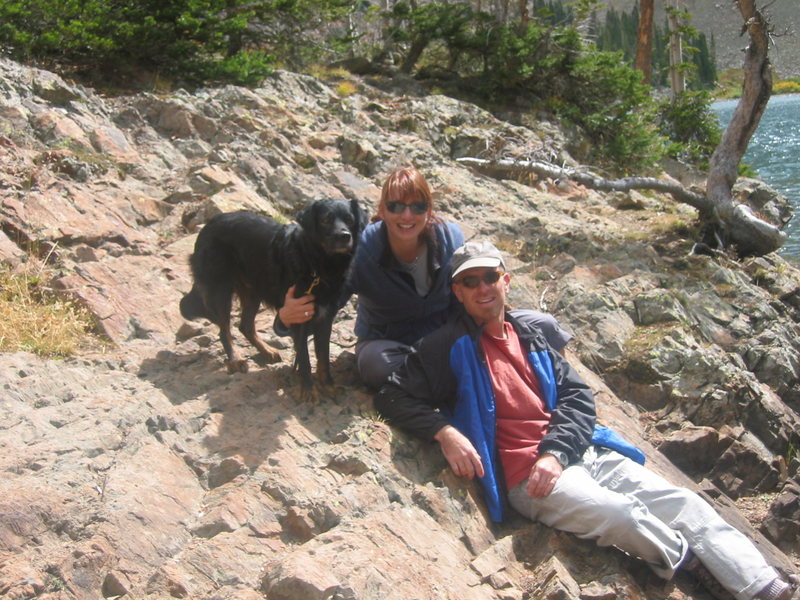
[
  {"x": 730, "y": 223},
  {"x": 592, "y": 181},
  {"x": 751, "y": 234}
]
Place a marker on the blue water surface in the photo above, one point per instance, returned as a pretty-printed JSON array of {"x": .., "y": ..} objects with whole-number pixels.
[{"x": 774, "y": 151}]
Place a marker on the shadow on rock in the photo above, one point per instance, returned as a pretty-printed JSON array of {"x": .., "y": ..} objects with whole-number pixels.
[
  {"x": 183, "y": 377},
  {"x": 231, "y": 423}
]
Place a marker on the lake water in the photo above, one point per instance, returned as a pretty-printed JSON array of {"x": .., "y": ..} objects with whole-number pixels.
[{"x": 774, "y": 151}]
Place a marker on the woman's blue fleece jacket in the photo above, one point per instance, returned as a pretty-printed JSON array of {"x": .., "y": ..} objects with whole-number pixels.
[{"x": 389, "y": 306}]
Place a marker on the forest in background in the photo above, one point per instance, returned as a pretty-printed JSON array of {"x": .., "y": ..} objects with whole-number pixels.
[
  {"x": 721, "y": 21},
  {"x": 524, "y": 59}
]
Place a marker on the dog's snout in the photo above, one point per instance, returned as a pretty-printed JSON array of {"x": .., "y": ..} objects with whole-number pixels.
[{"x": 339, "y": 237}]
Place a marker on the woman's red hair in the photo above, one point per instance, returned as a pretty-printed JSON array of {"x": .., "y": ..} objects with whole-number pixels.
[{"x": 409, "y": 185}]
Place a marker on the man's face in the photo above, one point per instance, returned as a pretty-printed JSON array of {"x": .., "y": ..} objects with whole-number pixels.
[{"x": 485, "y": 301}]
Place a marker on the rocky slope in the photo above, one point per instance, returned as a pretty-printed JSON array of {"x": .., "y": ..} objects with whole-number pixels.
[{"x": 141, "y": 469}]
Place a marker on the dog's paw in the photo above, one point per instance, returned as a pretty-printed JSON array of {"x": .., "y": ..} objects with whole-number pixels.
[
  {"x": 310, "y": 393},
  {"x": 237, "y": 366},
  {"x": 271, "y": 356},
  {"x": 326, "y": 388}
]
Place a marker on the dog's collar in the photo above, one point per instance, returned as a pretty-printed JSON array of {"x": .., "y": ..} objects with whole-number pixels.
[{"x": 314, "y": 283}]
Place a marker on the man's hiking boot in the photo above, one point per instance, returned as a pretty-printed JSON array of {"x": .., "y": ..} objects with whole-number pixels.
[
  {"x": 703, "y": 576},
  {"x": 778, "y": 589}
]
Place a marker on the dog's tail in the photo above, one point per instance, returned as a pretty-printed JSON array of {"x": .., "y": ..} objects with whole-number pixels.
[{"x": 192, "y": 306}]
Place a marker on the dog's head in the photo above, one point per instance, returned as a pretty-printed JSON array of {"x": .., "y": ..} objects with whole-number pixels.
[{"x": 333, "y": 224}]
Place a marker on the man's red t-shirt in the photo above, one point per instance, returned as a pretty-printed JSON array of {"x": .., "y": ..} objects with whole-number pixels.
[{"x": 522, "y": 418}]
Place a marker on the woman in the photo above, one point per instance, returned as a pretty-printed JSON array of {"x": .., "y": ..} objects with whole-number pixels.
[{"x": 401, "y": 273}]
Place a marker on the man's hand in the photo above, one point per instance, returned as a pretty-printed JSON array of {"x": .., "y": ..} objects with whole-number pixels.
[
  {"x": 544, "y": 474},
  {"x": 459, "y": 452},
  {"x": 296, "y": 310}
]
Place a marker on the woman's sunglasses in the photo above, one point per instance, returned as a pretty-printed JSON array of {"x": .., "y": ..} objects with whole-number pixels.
[
  {"x": 417, "y": 208},
  {"x": 473, "y": 281}
]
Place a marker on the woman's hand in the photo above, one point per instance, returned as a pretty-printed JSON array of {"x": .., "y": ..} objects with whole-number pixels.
[
  {"x": 459, "y": 452},
  {"x": 296, "y": 310}
]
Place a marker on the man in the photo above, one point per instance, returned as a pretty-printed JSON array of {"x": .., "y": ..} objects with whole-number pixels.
[{"x": 507, "y": 408}]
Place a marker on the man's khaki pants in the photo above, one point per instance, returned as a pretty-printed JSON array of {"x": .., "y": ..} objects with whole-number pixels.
[{"x": 617, "y": 502}]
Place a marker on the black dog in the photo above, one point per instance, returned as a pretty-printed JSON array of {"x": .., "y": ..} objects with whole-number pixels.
[{"x": 258, "y": 260}]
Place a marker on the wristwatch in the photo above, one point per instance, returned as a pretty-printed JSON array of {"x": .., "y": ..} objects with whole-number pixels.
[{"x": 561, "y": 457}]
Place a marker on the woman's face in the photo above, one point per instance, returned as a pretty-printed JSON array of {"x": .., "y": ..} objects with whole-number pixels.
[{"x": 406, "y": 225}]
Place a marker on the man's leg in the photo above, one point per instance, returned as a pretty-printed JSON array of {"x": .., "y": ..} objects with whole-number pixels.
[
  {"x": 580, "y": 505},
  {"x": 618, "y": 502},
  {"x": 727, "y": 553},
  {"x": 377, "y": 359}
]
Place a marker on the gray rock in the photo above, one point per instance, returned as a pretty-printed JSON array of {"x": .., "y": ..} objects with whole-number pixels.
[
  {"x": 782, "y": 524},
  {"x": 657, "y": 306}
]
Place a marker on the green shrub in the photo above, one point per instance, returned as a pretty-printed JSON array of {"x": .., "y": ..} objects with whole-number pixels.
[
  {"x": 690, "y": 126},
  {"x": 547, "y": 66},
  {"x": 245, "y": 67},
  {"x": 418, "y": 26},
  {"x": 787, "y": 86},
  {"x": 193, "y": 41},
  {"x": 607, "y": 98},
  {"x": 497, "y": 63},
  {"x": 536, "y": 61}
]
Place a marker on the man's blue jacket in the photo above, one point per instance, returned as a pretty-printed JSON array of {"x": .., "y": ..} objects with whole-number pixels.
[{"x": 446, "y": 381}]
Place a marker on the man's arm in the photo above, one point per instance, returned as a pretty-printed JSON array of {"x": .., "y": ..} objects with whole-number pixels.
[
  {"x": 420, "y": 419},
  {"x": 411, "y": 400},
  {"x": 459, "y": 452},
  {"x": 408, "y": 401}
]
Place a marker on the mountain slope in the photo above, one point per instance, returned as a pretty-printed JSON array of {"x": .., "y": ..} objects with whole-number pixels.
[{"x": 144, "y": 470}]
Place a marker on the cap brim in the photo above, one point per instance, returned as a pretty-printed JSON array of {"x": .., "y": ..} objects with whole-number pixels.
[{"x": 475, "y": 263}]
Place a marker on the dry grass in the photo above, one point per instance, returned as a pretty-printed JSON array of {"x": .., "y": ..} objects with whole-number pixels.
[{"x": 34, "y": 319}]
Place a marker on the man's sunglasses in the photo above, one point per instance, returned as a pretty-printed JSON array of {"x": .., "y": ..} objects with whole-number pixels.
[
  {"x": 397, "y": 208},
  {"x": 473, "y": 281}
]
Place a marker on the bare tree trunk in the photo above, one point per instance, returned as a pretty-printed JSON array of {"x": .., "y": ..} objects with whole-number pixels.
[
  {"x": 417, "y": 48},
  {"x": 644, "y": 40},
  {"x": 751, "y": 228},
  {"x": 504, "y": 11},
  {"x": 737, "y": 222},
  {"x": 676, "y": 76},
  {"x": 387, "y": 43}
]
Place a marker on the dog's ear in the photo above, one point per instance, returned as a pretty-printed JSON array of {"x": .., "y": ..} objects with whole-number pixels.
[
  {"x": 360, "y": 217},
  {"x": 306, "y": 218}
]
